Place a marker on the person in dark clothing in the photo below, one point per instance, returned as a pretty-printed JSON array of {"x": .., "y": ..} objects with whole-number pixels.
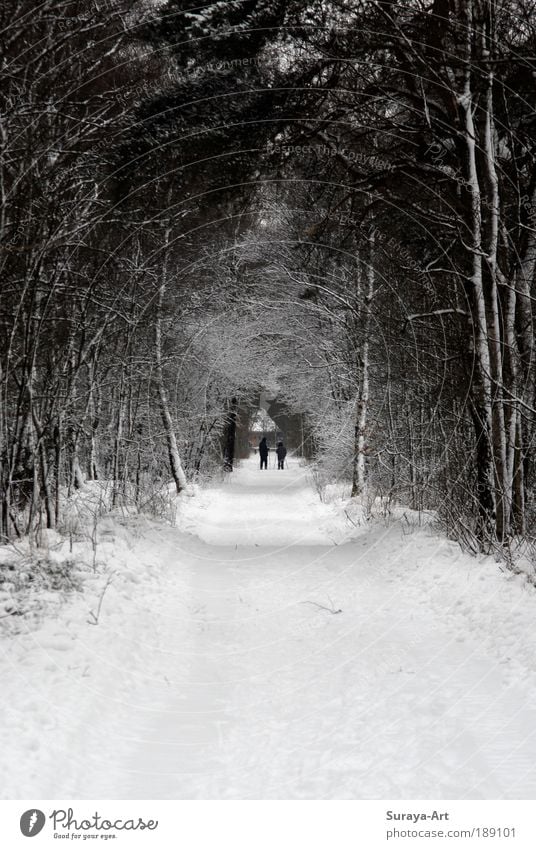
[
  {"x": 263, "y": 451},
  {"x": 281, "y": 454}
]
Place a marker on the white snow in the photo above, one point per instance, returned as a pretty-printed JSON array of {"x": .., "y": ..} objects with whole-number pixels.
[
  {"x": 262, "y": 423},
  {"x": 266, "y": 647}
]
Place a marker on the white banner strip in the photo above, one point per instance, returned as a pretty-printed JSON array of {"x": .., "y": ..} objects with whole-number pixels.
[{"x": 269, "y": 824}]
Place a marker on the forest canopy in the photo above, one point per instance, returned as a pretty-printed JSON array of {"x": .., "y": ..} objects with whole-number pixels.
[{"x": 330, "y": 202}]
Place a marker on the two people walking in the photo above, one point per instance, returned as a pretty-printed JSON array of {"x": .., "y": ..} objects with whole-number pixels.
[{"x": 281, "y": 452}]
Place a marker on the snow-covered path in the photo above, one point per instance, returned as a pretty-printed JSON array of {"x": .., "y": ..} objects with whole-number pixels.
[{"x": 284, "y": 653}]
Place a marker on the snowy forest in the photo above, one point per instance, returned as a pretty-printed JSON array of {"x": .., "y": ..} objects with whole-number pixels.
[
  {"x": 315, "y": 215},
  {"x": 338, "y": 198}
]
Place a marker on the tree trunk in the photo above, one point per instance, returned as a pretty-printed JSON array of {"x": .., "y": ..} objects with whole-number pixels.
[
  {"x": 358, "y": 477},
  {"x": 93, "y": 417},
  {"x": 175, "y": 464},
  {"x": 230, "y": 436},
  {"x": 481, "y": 389},
  {"x": 116, "y": 465}
]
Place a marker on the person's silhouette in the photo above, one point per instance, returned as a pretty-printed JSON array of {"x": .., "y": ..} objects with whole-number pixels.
[{"x": 263, "y": 451}]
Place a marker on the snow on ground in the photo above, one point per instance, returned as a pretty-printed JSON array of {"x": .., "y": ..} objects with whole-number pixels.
[{"x": 268, "y": 647}]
